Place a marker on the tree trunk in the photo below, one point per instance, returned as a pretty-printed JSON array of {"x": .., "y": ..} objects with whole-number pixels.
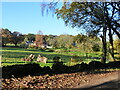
[
  {"x": 103, "y": 60},
  {"x": 114, "y": 29},
  {"x": 15, "y": 44},
  {"x": 111, "y": 43},
  {"x": 109, "y": 23}
]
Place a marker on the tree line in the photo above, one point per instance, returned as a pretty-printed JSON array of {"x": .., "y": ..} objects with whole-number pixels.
[
  {"x": 56, "y": 41},
  {"x": 14, "y": 37},
  {"x": 97, "y": 18},
  {"x": 80, "y": 43}
]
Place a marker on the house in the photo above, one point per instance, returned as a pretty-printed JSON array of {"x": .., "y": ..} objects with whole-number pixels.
[
  {"x": 35, "y": 44},
  {"x": 30, "y": 43},
  {"x": 46, "y": 46}
]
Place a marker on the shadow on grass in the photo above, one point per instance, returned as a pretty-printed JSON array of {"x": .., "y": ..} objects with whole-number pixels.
[
  {"x": 24, "y": 62},
  {"x": 12, "y": 62},
  {"x": 19, "y": 55},
  {"x": 34, "y": 69},
  {"x": 12, "y": 48}
]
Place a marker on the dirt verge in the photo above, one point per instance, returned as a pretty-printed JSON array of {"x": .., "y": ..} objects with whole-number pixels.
[{"x": 72, "y": 80}]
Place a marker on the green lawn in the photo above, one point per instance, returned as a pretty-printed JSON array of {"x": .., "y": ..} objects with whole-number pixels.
[{"x": 11, "y": 56}]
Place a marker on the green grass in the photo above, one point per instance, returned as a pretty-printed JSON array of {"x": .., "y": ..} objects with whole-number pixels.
[{"x": 12, "y": 56}]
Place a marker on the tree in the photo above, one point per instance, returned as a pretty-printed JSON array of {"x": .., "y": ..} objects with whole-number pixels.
[
  {"x": 6, "y": 36},
  {"x": 96, "y": 43},
  {"x": 80, "y": 38},
  {"x": 87, "y": 43},
  {"x": 39, "y": 39},
  {"x": 65, "y": 41},
  {"x": 100, "y": 16},
  {"x": 54, "y": 42},
  {"x": 97, "y": 15},
  {"x": 78, "y": 13},
  {"x": 117, "y": 47},
  {"x": 50, "y": 39},
  {"x": 16, "y": 38},
  {"x": 31, "y": 37},
  {"x": 61, "y": 41}
]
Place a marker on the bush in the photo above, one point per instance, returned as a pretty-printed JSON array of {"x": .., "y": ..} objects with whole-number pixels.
[
  {"x": 56, "y": 59},
  {"x": 23, "y": 45},
  {"x": 49, "y": 50},
  {"x": 60, "y": 50},
  {"x": 74, "y": 60},
  {"x": 59, "y": 68},
  {"x": 96, "y": 65},
  {"x": 96, "y": 48},
  {"x": 32, "y": 46},
  {"x": 75, "y": 68},
  {"x": 115, "y": 64},
  {"x": 46, "y": 70},
  {"x": 20, "y": 70},
  {"x": 84, "y": 67}
]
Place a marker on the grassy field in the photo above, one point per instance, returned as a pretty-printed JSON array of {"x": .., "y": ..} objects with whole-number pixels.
[{"x": 12, "y": 56}]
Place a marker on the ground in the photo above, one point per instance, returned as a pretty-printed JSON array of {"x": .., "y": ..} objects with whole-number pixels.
[
  {"x": 72, "y": 80},
  {"x": 108, "y": 80},
  {"x": 11, "y": 56}
]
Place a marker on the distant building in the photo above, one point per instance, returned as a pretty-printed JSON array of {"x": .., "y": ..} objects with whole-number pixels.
[
  {"x": 46, "y": 46},
  {"x": 34, "y": 43},
  {"x": 30, "y": 43}
]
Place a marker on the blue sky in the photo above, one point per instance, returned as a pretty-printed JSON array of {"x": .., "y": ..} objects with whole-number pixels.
[{"x": 26, "y": 17}]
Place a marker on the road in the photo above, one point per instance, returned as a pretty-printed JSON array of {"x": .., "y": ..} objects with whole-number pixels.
[{"x": 111, "y": 80}]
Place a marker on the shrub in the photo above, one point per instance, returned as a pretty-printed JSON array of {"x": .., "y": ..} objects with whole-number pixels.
[
  {"x": 84, "y": 67},
  {"x": 23, "y": 45},
  {"x": 75, "y": 68},
  {"x": 60, "y": 50},
  {"x": 96, "y": 48},
  {"x": 79, "y": 67},
  {"x": 73, "y": 60},
  {"x": 115, "y": 64},
  {"x": 32, "y": 46},
  {"x": 59, "y": 68},
  {"x": 46, "y": 70},
  {"x": 20, "y": 70},
  {"x": 49, "y": 50},
  {"x": 56, "y": 59},
  {"x": 96, "y": 65}
]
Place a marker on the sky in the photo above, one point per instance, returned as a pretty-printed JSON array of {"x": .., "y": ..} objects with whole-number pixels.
[{"x": 26, "y": 17}]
